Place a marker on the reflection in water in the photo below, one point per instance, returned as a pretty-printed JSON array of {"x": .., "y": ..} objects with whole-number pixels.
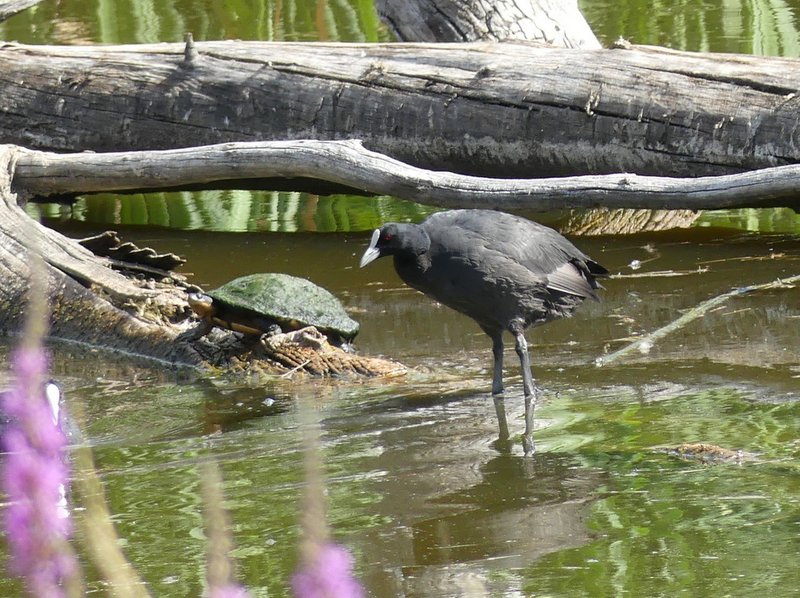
[
  {"x": 281, "y": 211},
  {"x": 139, "y": 21},
  {"x": 777, "y": 220},
  {"x": 766, "y": 27},
  {"x": 518, "y": 510},
  {"x": 237, "y": 211}
]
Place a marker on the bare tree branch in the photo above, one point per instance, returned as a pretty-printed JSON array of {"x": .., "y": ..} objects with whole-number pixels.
[{"x": 350, "y": 164}]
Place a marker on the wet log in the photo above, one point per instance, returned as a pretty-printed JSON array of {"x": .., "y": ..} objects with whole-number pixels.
[
  {"x": 90, "y": 303},
  {"x": 349, "y": 164},
  {"x": 490, "y": 109}
]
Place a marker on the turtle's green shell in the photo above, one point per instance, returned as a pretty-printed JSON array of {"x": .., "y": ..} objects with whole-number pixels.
[{"x": 292, "y": 302}]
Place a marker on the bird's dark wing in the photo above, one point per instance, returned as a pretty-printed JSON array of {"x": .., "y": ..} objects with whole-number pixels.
[{"x": 568, "y": 278}]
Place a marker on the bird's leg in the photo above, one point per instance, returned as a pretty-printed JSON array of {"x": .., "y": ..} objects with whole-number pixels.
[
  {"x": 497, "y": 383},
  {"x": 502, "y": 420},
  {"x": 497, "y": 353},
  {"x": 528, "y": 386}
]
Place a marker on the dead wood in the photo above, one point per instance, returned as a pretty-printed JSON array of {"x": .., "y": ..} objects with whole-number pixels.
[
  {"x": 349, "y": 164},
  {"x": 557, "y": 23},
  {"x": 490, "y": 109},
  {"x": 644, "y": 344},
  {"x": 554, "y": 22}
]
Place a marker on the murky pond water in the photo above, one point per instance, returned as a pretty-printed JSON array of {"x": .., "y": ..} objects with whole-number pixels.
[{"x": 419, "y": 489}]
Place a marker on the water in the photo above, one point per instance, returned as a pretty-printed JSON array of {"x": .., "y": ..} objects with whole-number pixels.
[{"x": 419, "y": 488}]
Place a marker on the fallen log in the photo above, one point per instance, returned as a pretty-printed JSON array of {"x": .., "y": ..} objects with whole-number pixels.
[
  {"x": 644, "y": 344},
  {"x": 490, "y": 109}
]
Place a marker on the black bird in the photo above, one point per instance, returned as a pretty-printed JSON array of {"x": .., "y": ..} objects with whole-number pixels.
[{"x": 503, "y": 271}]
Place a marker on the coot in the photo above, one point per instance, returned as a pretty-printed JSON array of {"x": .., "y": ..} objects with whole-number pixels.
[{"x": 503, "y": 271}]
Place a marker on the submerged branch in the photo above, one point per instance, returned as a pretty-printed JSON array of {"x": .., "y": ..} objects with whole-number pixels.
[
  {"x": 644, "y": 344},
  {"x": 350, "y": 164}
]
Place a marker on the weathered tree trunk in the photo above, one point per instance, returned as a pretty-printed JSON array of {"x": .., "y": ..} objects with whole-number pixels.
[
  {"x": 505, "y": 110},
  {"x": 541, "y": 20},
  {"x": 554, "y": 22},
  {"x": 558, "y": 23},
  {"x": 129, "y": 317}
]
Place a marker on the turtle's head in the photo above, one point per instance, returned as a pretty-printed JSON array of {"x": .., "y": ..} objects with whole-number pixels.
[
  {"x": 396, "y": 239},
  {"x": 201, "y": 304}
]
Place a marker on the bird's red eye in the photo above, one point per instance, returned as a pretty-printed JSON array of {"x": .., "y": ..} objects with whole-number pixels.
[{"x": 387, "y": 237}]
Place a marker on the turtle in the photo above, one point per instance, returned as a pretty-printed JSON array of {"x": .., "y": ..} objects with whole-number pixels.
[{"x": 269, "y": 303}]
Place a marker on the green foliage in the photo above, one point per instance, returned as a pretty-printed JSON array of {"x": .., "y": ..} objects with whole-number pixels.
[{"x": 766, "y": 27}]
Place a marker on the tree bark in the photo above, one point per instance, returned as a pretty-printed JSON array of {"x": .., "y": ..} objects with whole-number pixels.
[
  {"x": 553, "y": 22},
  {"x": 499, "y": 109},
  {"x": 90, "y": 303},
  {"x": 558, "y": 23}
]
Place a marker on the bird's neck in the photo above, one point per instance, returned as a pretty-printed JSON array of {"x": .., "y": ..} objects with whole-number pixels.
[{"x": 412, "y": 266}]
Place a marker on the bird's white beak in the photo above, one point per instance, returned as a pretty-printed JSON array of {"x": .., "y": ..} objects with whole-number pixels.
[{"x": 372, "y": 253}]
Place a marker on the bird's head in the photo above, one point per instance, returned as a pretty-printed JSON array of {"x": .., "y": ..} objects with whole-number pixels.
[{"x": 396, "y": 239}]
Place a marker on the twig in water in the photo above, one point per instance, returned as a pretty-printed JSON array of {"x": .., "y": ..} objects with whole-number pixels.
[{"x": 644, "y": 344}]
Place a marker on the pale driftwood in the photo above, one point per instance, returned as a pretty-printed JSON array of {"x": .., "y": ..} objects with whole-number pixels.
[
  {"x": 90, "y": 303},
  {"x": 490, "y": 109},
  {"x": 644, "y": 344},
  {"x": 554, "y": 22},
  {"x": 349, "y": 164}
]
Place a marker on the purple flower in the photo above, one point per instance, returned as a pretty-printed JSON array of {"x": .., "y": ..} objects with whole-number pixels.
[
  {"x": 329, "y": 575},
  {"x": 35, "y": 474}
]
